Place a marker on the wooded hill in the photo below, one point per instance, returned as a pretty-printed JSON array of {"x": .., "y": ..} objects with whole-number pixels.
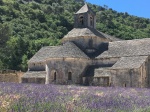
[{"x": 27, "y": 25}]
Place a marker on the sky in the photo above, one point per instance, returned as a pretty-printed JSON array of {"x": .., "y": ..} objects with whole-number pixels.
[{"x": 140, "y": 8}]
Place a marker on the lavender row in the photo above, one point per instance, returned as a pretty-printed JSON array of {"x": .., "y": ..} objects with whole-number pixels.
[{"x": 61, "y": 98}]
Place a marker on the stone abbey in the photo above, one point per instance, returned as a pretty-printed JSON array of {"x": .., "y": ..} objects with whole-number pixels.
[{"x": 90, "y": 57}]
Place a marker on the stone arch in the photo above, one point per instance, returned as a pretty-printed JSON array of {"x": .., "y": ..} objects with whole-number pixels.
[{"x": 54, "y": 75}]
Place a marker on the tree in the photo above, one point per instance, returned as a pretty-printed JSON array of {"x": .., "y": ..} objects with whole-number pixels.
[{"x": 5, "y": 33}]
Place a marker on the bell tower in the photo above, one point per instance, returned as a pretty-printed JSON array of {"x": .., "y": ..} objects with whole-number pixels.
[{"x": 85, "y": 18}]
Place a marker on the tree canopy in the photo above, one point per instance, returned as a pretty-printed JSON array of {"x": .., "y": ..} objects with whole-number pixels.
[{"x": 28, "y": 25}]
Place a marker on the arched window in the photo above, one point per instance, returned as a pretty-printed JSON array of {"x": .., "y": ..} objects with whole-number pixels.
[
  {"x": 125, "y": 85},
  {"x": 54, "y": 75},
  {"x": 69, "y": 76},
  {"x": 91, "y": 21},
  {"x": 90, "y": 43},
  {"x": 81, "y": 20}
]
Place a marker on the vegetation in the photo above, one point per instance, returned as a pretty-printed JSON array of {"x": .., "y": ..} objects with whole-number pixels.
[
  {"x": 27, "y": 25},
  {"x": 62, "y": 98}
]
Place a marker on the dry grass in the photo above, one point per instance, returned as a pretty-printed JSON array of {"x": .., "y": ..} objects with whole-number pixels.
[{"x": 6, "y": 101}]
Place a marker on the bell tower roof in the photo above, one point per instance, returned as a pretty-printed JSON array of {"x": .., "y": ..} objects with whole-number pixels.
[{"x": 83, "y": 9}]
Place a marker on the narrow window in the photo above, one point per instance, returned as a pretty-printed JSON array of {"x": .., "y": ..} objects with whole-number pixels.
[
  {"x": 81, "y": 20},
  {"x": 125, "y": 85},
  {"x": 54, "y": 75},
  {"x": 91, "y": 21},
  {"x": 90, "y": 43},
  {"x": 69, "y": 76}
]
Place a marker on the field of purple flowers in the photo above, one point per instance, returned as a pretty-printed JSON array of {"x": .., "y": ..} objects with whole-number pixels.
[{"x": 71, "y": 98}]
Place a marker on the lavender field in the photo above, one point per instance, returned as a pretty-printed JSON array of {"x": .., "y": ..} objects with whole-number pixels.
[{"x": 70, "y": 98}]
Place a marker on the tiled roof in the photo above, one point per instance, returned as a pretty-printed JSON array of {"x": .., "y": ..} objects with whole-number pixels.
[
  {"x": 43, "y": 53},
  {"x": 111, "y": 38},
  {"x": 78, "y": 32},
  {"x": 102, "y": 72},
  {"x": 34, "y": 74},
  {"x": 91, "y": 32},
  {"x": 67, "y": 50},
  {"x": 129, "y": 62},
  {"x": 137, "y": 47}
]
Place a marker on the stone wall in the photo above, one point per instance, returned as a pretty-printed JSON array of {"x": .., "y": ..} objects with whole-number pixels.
[
  {"x": 145, "y": 73},
  {"x": 10, "y": 76},
  {"x": 121, "y": 77},
  {"x": 148, "y": 71},
  {"x": 34, "y": 80},
  {"x": 77, "y": 23},
  {"x": 87, "y": 42},
  {"x": 36, "y": 66},
  {"x": 58, "y": 70},
  {"x": 102, "y": 77},
  {"x": 126, "y": 77},
  {"x": 86, "y": 20}
]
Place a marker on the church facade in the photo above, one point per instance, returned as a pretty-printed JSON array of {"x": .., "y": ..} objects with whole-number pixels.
[{"x": 90, "y": 57}]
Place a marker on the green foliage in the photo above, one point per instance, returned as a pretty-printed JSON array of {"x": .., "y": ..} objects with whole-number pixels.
[
  {"x": 4, "y": 34},
  {"x": 122, "y": 25},
  {"x": 28, "y": 25}
]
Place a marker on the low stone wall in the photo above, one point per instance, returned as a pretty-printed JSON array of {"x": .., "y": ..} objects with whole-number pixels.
[{"x": 10, "y": 76}]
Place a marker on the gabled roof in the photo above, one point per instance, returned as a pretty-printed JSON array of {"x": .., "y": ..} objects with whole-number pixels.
[
  {"x": 68, "y": 50},
  {"x": 91, "y": 32},
  {"x": 137, "y": 47},
  {"x": 83, "y": 9},
  {"x": 129, "y": 62},
  {"x": 34, "y": 74},
  {"x": 42, "y": 54}
]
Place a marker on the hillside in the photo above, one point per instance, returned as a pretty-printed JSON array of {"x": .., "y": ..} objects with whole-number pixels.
[{"x": 27, "y": 25}]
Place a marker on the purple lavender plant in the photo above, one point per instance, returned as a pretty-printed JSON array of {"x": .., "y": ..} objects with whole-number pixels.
[{"x": 62, "y": 98}]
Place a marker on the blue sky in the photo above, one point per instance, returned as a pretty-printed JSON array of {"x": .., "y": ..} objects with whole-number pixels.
[{"x": 140, "y": 8}]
